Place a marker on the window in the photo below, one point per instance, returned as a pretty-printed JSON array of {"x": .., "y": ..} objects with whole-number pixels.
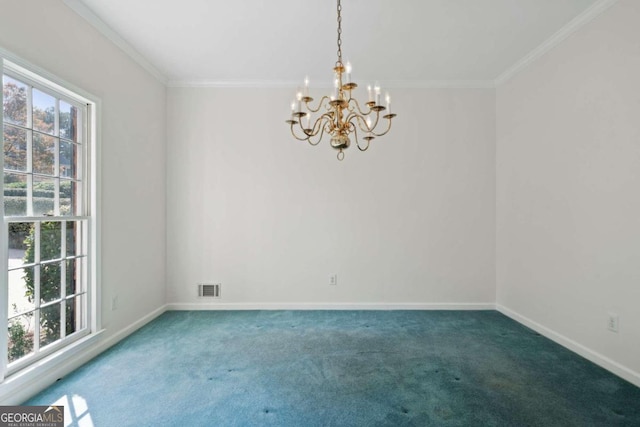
[{"x": 48, "y": 219}]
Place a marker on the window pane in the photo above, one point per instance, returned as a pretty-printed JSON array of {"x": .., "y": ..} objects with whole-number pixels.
[
  {"x": 68, "y": 121},
  {"x": 68, "y": 199},
  {"x": 50, "y": 241},
  {"x": 44, "y": 112},
  {"x": 68, "y": 159},
  {"x": 20, "y": 336},
  {"x": 15, "y": 194},
  {"x": 44, "y": 159},
  {"x": 74, "y": 238},
  {"x": 50, "y": 281},
  {"x": 15, "y": 148},
  {"x": 14, "y": 101},
  {"x": 19, "y": 241},
  {"x": 73, "y": 276},
  {"x": 50, "y": 317},
  {"x": 74, "y": 314},
  {"x": 43, "y": 196},
  {"x": 21, "y": 291}
]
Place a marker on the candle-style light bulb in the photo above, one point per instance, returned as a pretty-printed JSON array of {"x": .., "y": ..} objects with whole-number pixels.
[
  {"x": 336, "y": 91},
  {"x": 370, "y": 93},
  {"x": 306, "y": 86},
  {"x": 388, "y": 97},
  {"x": 308, "y": 119},
  {"x": 299, "y": 100},
  {"x": 348, "y": 72},
  {"x": 377, "y": 90},
  {"x": 369, "y": 130}
]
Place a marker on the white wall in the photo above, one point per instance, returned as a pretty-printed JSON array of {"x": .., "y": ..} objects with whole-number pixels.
[
  {"x": 568, "y": 189},
  {"x": 412, "y": 220},
  {"x": 53, "y": 37}
]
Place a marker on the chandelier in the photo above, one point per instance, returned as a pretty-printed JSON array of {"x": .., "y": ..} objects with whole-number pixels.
[{"x": 339, "y": 114}]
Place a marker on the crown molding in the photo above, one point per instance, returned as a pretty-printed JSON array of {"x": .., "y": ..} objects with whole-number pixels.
[
  {"x": 81, "y": 9},
  {"x": 254, "y": 84},
  {"x": 274, "y": 84},
  {"x": 574, "y": 25}
]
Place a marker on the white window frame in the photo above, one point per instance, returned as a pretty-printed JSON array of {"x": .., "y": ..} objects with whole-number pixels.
[{"x": 39, "y": 78}]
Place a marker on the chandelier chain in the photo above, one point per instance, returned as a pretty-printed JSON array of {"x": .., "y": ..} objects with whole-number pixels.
[{"x": 339, "y": 33}]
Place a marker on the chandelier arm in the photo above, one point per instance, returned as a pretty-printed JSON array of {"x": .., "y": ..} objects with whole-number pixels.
[
  {"x": 361, "y": 116},
  {"x": 386, "y": 131},
  {"x": 319, "y": 128},
  {"x": 375, "y": 124},
  {"x": 354, "y": 129},
  {"x": 359, "y": 120},
  {"x": 310, "y": 132},
  {"x": 319, "y": 138},
  {"x": 304, "y": 130},
  {"x": 306, "y": 138},
  {"x": 318, "y": 125},
  {"x": 330, "y": 125},
  {"x": 355, "y": 101},
  {"x": 320, "y": 104}
]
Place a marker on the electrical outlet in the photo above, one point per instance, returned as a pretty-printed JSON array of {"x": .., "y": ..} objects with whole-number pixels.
[
  {"x": 114, "y": 303},
  {"x": 613, "y": 322},
  {"x": 333, "y": 280}
]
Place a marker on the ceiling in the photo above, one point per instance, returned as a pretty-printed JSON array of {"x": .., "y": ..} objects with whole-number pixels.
[{"x": 277, "y": 42}]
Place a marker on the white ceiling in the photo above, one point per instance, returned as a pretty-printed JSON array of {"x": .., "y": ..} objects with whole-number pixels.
[{"x": 277, "y": 42}]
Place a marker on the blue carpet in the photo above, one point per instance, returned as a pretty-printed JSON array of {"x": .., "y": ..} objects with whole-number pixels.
[{"x": 342, "y": 368}]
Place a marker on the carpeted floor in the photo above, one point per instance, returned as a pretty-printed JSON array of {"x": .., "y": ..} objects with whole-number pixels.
[{"x": 341, "y": 368}]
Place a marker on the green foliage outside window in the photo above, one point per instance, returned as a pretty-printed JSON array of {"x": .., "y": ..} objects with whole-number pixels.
[
  {"x": 20, "y": 340},
  {"x": 50, "y": 280}
]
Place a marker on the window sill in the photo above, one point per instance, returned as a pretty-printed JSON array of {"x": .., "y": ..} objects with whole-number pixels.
[{"x": 28, "y": 381}]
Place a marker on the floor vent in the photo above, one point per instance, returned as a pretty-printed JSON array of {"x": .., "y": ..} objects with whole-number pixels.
[{"x": 209, "y": 290}]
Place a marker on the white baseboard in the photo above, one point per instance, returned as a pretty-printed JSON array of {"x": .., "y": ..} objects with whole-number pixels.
[
  {"x": 25, "y": 384},
  {"x": 595, "y": 357},
  {"x": 123, "y": 333},
  {"x": 330, "y": 306}
]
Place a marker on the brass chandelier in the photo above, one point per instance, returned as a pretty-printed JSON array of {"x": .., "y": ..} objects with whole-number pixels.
[{"x": 339, "y": 113}]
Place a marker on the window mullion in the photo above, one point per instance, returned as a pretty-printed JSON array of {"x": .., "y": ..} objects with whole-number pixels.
[
  {"x": 63, "y": 279},
  {"x": 29, "y": 172},
  {"x": 36, "y": 287},
  {"x": 56, "y": 125},
  {"x": 63, "y": 323},
  {"x": 29, "y": 106},
  {"x": 56, "y": 188},
  {"x": 56, "y": 157}
]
